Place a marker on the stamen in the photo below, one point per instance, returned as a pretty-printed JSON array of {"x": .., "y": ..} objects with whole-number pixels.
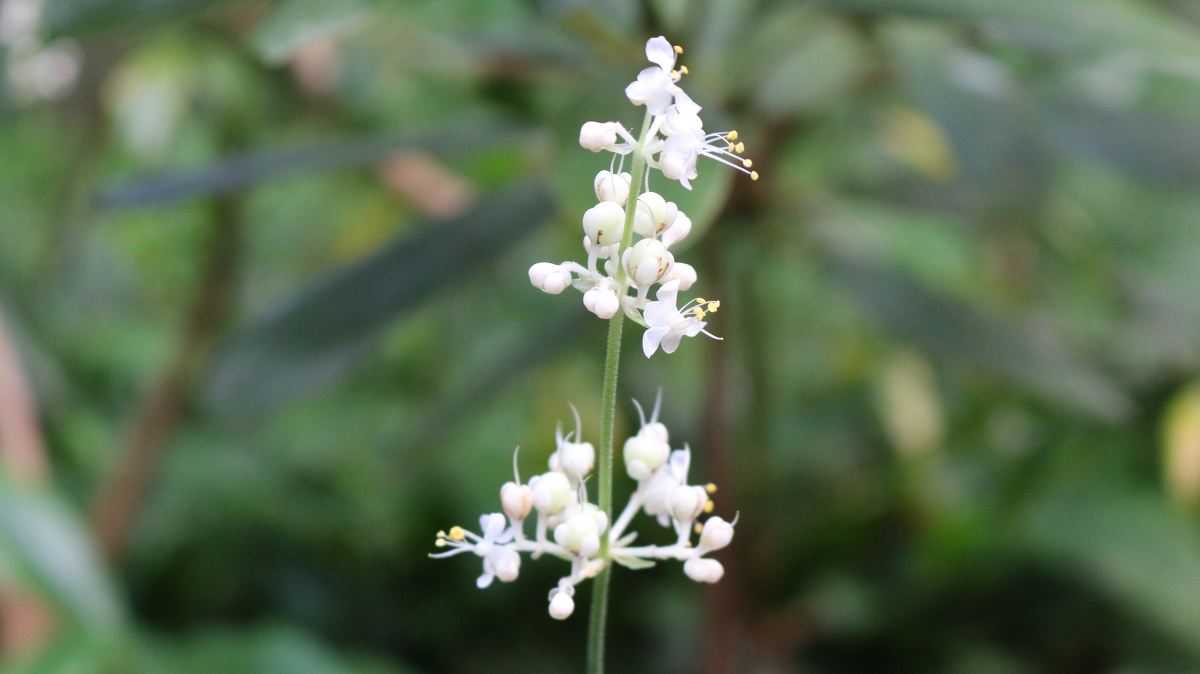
[
  {"x": 698, "y": 528},
  {"x": 708, "y": 506},
  {"x": 713, "y": 306},
  {"x": 739, "y": 148},
  {"x": 754, "y": 175},
  {"x": 747, "y": 163},
  {"x": 699, "y": 313},
  {"x": 683, "y": 69},
  {"x": 678, "y": 49},
  {"x": 440, "y": 543},
  {"x": 457, "y": 534},
  {"x": 710, "y": 488},
  {"x": 675, "y": 75},
  {"x": 687, "y": 544},
  {"x": 732, "y": 135}
]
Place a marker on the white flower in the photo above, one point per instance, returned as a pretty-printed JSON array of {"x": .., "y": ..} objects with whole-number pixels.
[
  {"x": 604, "y": 223},
  {"x": 684, "y": 273},
  {"x": 657, "y": 492},
  {"x": 612, "y": 187},
  {"x": 655, "y": 86},
  {"x": 517, "y": 500},
  {"x": 668, "y": 324},
  {"x": 677, "y": 231},
  {"x": 686, "y": 141},
  {"x": 551, "y": 492},
  {"x": 498, "y": 560},
  {"x": 597, "y": 136},
  {"x": 647, "y": 262},
  {"x": 716, "y": 534}
]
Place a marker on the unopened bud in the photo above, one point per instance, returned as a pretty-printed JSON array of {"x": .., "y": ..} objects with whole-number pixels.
[
  {"x": 551, "y": 278},
  {"x": 596, "y": 136},
  {"x": 602, "y": 301},
  {"x": 648, "y": 261},
  {"x": 576, "y": 458},
  {"x": 561, "y": 606},
  {"x": 654, "y": 212},
  {"x": 517, "y": 500},
  {"x": 580, "y": 534},
  {"x": 686, "y": 502},
  {"x": 703, "y": 570},
  {"x": 678, "y": 231},
  {"x": 551, "y": 493},
  {"x": 717, "y": 533},
  {"x": 612, "y": 187},
  {"x": 648, "y": 452},
  {"x": 604, "y": 223},
  {"x": 655, "y": 430},
  {"x": 684, "y": 273}
]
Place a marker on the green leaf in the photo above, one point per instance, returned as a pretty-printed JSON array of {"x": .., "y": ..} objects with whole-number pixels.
[
  {"x": 1131, "y": 546},
  {"x": 325, "y": 328},
  {"x": 73, "y": 17},
  {"x": 241, "y": 171},
  {"x": 1080, "y": 24},
  {"x": 45, "y": 544},
  {"x": 952, "y": 329}
]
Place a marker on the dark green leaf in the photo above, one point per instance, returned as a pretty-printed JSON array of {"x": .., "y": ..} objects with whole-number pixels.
[
  {"x": 325, "y": 328},
  {"x": 948, "y": 328}
]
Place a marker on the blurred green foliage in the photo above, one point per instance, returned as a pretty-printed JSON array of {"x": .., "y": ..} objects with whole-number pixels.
[{"x": 953, "y": 404}]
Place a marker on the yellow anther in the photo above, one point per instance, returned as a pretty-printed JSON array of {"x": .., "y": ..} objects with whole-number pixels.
[
  {"x": 708, "y": 506},
  {"x": 441, "y": 543},
  {"x": 700, "y": 300},
  {"x": 739, "y": 148},
  {"x": 675, "y": 75},
  {"x": 710, "y": 488},
  {"x": 441, "y": 534},
  {"x": 699, "y": 313},
  {"x": 456, "y": 533},
  {"x": 712, "y": 308},
  {"x": 731, "y": 148},
  {"x": 747, "y": 163},
  {"x": 678, "y": 49},
  {"x": 687, "y": 544},
  {"x": 732, "y": 135},
  {"x": 754, "y": 175},
  {"x": 683, "y": 69},
  {"x": 698, "y": 528}
]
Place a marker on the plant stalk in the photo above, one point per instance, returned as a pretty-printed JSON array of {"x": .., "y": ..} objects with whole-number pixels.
[{"x": 598, "y": 621}]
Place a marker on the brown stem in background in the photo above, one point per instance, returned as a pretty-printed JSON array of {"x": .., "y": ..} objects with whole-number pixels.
[
  {"x": 723, "y": 641},
  {"x": 26, "y": 621},
  {"x": 160, "y": 409}
]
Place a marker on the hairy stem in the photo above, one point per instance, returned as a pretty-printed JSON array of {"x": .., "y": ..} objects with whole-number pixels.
[{"x": 608, "y": 413}]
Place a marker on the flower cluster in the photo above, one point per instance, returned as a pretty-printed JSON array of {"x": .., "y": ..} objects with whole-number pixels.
[
  {"x": 567, "y": 526},
  {"x": 672, "y": 140}
]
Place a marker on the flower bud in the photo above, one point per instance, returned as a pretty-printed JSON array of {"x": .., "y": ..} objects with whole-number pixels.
[
  {"x": 647, "y": 261},
  {"x": 655, "y": 430},
  {"x": 506, "y": 563},
  {"x": 551, "y": 278},
  {"x": 602, "y": 301},
  {"x": 612, "y": 187},
  {"x": 673, "y": 164},
  {"x": 596, "y": 136},
  {"x": 682, "y": 272},
  {"x": 717, "y": 533},
  {"x": 576, "y": 458},
  {"x": 580, "y": 534},
  {"x": 653, "y": 212},
  {"x": 604, "y": 223},
  {"x": 551, "y": 493},
  {"x": 561, "y": 606},
  {"x": 644, "y": 455},
  {"x": 517, "y": 500},
  {"x": 678, "y": 231},
  {"x": 686, "y": 502},
  {"x": 703, "y": 570}
]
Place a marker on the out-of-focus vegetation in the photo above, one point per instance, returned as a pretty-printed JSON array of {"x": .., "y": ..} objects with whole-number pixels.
[{"x": 264, "y": 266}]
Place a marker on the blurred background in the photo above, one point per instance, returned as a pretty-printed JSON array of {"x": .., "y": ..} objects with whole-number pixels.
[{"x": 266, "y": 328}]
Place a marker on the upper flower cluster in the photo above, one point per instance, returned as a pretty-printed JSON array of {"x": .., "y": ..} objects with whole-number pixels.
[
  {"x": 569, "y": 527},
  {"x": 672, "y": 140}
]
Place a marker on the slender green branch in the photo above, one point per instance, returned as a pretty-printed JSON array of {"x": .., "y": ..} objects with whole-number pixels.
[{"x": 608, "y": 413}]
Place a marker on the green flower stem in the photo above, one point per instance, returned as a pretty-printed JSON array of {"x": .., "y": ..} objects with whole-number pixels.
[{"x": 608, "y": 415}]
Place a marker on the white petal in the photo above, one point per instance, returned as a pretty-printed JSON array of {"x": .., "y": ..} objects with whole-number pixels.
[
  {"x": 660, "y": 51},
  {"x": 667, "y": 293},
  {"x": 693, "y": 327},
  {"x": 671, "y": 341},
  {"x": 685, "y": 105},
  {"x": 651, "y": 339}
]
